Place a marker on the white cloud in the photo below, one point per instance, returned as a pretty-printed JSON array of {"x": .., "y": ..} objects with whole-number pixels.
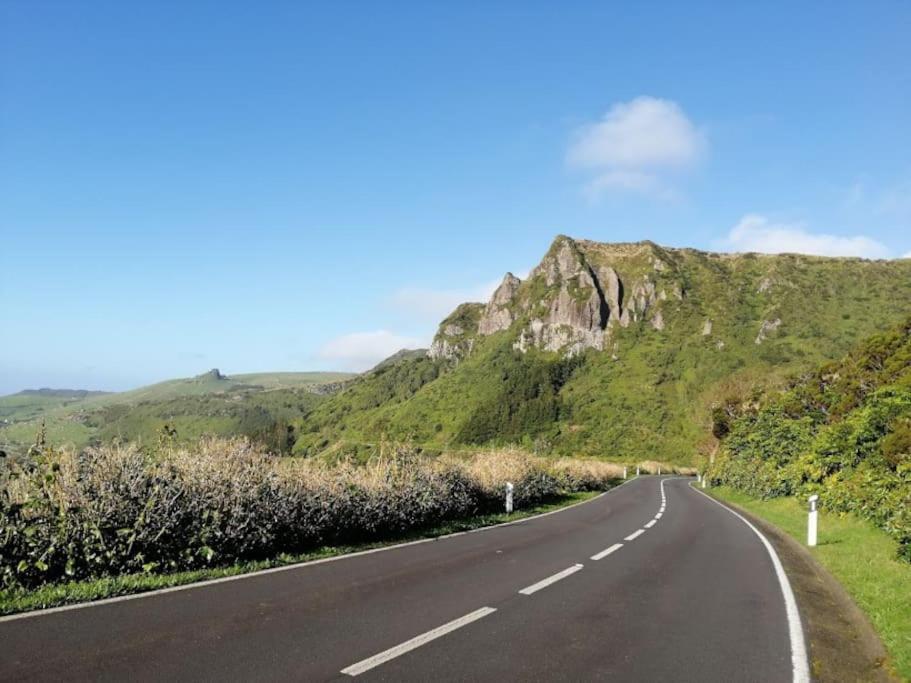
[
  {"x": 362, "y": 350},
  {"x": 426, "y": 303},
  {"x": 646, "y": 132},
  {"x": 757, "y": 233},
  {"x": 432, "y": 305},
  {"x": 908, "y": 255},
  {"x": 634, "y": 145}
]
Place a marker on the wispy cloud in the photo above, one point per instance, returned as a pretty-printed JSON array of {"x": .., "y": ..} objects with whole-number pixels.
[
  {"x": 635, "y": 145},
  {"x": 757, "y": 233},
  {"x": 429, "y": 304},
  {"x": 362, "y": 350}
]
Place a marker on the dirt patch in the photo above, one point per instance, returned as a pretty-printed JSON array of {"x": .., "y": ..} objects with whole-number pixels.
[{"x": 842, "y": 643}]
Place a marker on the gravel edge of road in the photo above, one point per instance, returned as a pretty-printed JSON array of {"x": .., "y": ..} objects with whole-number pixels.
[{"x": 843, "y": 645}]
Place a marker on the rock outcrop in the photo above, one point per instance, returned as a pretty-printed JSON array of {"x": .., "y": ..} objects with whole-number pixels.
[
  {"x": 456, "y": 336},
  {"x": 570, "y": 302},
  {"x": 497, "y": 315},
  {"x": 767, "y": 328}
]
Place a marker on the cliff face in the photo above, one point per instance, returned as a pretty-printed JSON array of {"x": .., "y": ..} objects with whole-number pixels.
[{"x": 572, "y": 300}]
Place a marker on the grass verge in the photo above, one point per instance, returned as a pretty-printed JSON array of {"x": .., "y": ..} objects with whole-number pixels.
[
  {"x": 54, "y": 595},
  {"x": 860, "y": 556}
]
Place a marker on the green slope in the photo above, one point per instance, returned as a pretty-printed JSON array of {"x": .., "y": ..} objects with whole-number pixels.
[{"x": 650, "y": 392}]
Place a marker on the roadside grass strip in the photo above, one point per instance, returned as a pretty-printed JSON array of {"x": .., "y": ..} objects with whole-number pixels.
[
  {"x": 544, "y": 583},
  {"x": 633, "y": 536},
  {"x": 604, "y": 553},
  {"x": 416, "y": 642}
]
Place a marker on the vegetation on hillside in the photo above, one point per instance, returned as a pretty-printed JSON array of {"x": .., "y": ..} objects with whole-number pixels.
[
  {"x": 842, "y": 431},
  {"x": 649, "y": 391},
  {"x": 121, "y": 509}
]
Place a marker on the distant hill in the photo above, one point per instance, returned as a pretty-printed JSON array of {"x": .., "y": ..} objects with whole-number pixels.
[
  {"x": 614, "y": 350},
  {"x": 60, "y": 393},
  {"x": 250, "y": 404}
]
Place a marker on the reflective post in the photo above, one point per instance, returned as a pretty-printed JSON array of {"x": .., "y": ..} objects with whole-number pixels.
[{"x": 812, "y": 521}]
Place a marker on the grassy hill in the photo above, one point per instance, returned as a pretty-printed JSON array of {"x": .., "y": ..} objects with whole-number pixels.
[
  {"x": 685, "y": 330},
  {"x": 259, "y": 405}
]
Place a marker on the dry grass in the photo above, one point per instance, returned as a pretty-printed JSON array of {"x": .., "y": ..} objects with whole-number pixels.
[{"x": 118, "y": 509}]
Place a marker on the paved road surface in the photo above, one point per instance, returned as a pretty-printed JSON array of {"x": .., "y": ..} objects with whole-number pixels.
[{"x": 681, "y": 590}]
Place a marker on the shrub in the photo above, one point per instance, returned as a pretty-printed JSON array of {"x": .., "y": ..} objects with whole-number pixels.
[{"x": 117, "y": 509}]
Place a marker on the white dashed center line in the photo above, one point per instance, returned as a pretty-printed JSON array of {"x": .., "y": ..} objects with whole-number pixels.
[
  {"x": 544, "y": 583},
  {"x": 650, "y": 524},
  {"x": 416, "y": 642},
  {"x": 605, "y": 553},
  {"x": 633, "y": 536}
]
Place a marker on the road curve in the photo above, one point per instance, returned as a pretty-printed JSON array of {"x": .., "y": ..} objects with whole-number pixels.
[{"x": 650, "y": 581}]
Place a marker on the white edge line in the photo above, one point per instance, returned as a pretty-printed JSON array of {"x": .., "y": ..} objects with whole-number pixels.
[
  {"x": 544, "y": 583},
  {"x": 416, "y": 642},
  {"x": 604, "y": 553},
  {"x": 799, "y": 662},
  {"x": 289, "y": 567},
  {"x": 633, "y": 536}
]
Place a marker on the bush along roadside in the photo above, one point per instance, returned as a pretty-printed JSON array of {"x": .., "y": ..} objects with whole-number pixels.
[
  {"x": 116, "y": 510},
  {"x": 843, "y": 432}
]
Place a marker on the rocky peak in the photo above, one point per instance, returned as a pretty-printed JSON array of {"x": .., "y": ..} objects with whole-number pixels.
[
  {"x": 571, "y": 299},
  {"x": 497, "y": 315}
]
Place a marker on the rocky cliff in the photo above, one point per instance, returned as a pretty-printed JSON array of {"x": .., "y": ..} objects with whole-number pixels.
[{"x": 573, "y": 299}]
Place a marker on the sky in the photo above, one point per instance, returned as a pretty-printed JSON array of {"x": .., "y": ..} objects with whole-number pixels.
[{"x": 300, "y": 186}]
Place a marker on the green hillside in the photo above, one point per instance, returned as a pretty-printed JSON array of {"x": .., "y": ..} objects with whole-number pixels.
[
  {"x": 259, "y": 405},
  {"x": 615, "y": 350},
  {"x": 842, "y": 431}
]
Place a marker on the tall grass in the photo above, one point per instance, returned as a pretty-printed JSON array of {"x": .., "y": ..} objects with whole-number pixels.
[{"x": 117, "y": 509}]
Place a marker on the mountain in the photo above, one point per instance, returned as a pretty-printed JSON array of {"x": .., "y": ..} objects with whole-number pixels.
[
  {"x": 614, "y": 350},
  {"x": 254, "y": 404}
]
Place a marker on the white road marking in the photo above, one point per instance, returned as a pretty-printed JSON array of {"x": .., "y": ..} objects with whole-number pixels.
[
  {"x": 297, "y": 565},
  {"x": 605, "y": 553},
  {"x": 651, "y": 524},
  {"x": 658, "y": 516},
  {"x": 633, "y": 536},
  {"x": 799, "y": 663},
  {"x": 544, "y": 583},
  {"x": 416, "y": 642}
]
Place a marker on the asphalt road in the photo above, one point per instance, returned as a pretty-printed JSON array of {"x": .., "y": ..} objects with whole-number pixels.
[{"x": 690, "y": 595}]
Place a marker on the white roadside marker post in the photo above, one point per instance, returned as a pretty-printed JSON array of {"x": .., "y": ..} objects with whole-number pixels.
[
  {"x": 812, "y": 521},
  {"x": 703, "y": 480},
  {"x": 624, "y": 473},
  {"x": 659, "y": 470},
  {"x": 509, "y": 488},
  {"x": 637, "y": 470}
]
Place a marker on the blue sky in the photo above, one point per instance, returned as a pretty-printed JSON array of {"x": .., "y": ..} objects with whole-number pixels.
[{"x": 292, "y": 186}]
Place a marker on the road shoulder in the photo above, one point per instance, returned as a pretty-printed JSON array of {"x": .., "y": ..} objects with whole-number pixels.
[{"x": 843, "y": 646}]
